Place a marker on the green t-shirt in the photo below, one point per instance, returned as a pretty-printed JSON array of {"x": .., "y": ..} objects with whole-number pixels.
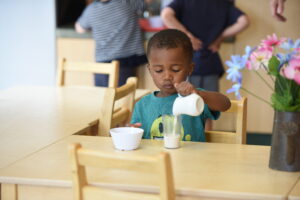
[{"x": 149, "y": 111}]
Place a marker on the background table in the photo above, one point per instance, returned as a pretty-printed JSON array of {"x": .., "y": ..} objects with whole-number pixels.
[
  {"x": 33, "y": 117},
  {"x": 201, "y": 170}
]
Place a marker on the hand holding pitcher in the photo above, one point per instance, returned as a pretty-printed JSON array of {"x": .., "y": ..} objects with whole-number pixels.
[{"x": 191, "y": 104}]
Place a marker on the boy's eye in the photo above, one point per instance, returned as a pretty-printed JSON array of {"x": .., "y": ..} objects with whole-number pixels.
[
  {"x": 176, "y": 70},
  {"x": 158, "y": 70}
]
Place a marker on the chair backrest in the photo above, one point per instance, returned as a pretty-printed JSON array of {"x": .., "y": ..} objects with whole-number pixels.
[
  {"x": 112, "y": 69},
  {"x": 239, "y": 136},
  {"x": 159, "y": 165},
  {"x": 111, "y": 117}
]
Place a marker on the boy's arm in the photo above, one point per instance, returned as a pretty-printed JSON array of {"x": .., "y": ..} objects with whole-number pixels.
[
  {"x": 168, "y": 16},
  {"x": 241, "y": 24},
  {"x": 215, "y": 100}
]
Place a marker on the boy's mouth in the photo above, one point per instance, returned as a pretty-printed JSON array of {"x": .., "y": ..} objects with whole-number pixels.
[{"x": 168, "y": 86}]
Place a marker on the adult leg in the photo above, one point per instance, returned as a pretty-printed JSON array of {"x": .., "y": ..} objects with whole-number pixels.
[
  {"x": 101, "y": 80},
  {"x": 126, "y": 72},
  {"x": 196, "y": 80},
  {"x": 211, "y": 82}
]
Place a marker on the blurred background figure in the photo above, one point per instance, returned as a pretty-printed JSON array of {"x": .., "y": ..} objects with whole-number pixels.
[
  {"x": 277, "y": 8},
  {"x": 117, "y": 34},
  {"x": 207, "y": 23}
]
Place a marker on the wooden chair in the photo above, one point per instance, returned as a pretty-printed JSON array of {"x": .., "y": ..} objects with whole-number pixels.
[
  {"x": 112, "y": 69},
  {"x": 110, "y": 116},
  {"x": 239, "y": 136},
  {"x": 159, "y": 165}
]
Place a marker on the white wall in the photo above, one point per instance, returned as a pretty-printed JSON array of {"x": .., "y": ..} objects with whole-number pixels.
[{"x": 27, "y": 42}]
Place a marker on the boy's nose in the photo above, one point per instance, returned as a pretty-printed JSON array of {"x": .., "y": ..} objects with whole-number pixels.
[{"x": 167, "y": 76}]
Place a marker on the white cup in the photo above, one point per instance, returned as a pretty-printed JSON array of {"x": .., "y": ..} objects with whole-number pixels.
[
  {"x": 172, "y": 131},
  {"x": 192, "y": 105}
]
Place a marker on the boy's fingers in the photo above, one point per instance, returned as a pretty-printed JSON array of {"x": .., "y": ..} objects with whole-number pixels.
[
  {"x": 175, "y": 85},
  {"x": 134, "y": 125},
  {"x": 138, "y": 124}
]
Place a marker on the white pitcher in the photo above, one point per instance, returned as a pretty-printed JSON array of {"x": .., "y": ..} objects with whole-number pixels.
[{"x": 192, "y": 105}]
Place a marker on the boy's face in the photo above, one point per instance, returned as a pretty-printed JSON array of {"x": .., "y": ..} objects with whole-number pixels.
[{"x": 168, "y": 66}]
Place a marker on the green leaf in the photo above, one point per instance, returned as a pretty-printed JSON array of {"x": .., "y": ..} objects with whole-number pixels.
[
  {"x": 285, "y": 102},
  {"x": 273, "y": 66}
]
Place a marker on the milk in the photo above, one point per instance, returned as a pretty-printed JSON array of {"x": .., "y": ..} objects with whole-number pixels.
[
  {"x": 172, "y": 134},
  {"x": 171, "y": 141}
]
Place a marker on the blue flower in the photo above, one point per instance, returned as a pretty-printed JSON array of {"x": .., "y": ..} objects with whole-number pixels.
[
  {"x": 236, "y": 89},
  {"x": 248, "y": 51},
  {"x": 290, "y": 45},
  {"x": 285, "y": 58},
  {"x": 235, "y": 65}
]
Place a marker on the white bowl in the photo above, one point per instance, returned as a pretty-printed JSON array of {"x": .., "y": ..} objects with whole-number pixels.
[{"x": 126, "y": 138}]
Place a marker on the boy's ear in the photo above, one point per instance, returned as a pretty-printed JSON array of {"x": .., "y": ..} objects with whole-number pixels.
[{"x": 192, "y": 65}]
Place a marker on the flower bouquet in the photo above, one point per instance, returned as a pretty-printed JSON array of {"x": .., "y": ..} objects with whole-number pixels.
[{"x": 279, "y": 59}]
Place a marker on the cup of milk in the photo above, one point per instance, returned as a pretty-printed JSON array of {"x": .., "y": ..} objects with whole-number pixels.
[{"x": 172, "y": 128}]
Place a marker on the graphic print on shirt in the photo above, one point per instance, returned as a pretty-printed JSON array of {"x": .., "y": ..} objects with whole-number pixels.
[{"x": 156, "y": 131}]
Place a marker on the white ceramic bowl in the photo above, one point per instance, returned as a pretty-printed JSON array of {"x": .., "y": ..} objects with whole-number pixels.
[{"x": 126, "y": 138}]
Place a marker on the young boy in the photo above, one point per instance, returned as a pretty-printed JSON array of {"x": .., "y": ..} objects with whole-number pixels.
[
  {"x": 170, "y": 55},
  {"x": 207, "y": 23}
]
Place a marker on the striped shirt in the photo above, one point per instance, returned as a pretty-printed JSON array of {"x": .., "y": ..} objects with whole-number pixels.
[{"x": 115, "y": 28}]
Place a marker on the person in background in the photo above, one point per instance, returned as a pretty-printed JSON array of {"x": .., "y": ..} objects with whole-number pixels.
[
  {"x": 207, "y": 23},
  {"x": 170, "y": 55},
  {"x": 277, "y": 8},
  {"x": 117, "y": 35}
]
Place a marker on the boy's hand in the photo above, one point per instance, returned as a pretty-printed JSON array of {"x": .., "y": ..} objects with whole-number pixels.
[
  {"x": 184, "y": 88},
  {"x": 136, "y": 125}
]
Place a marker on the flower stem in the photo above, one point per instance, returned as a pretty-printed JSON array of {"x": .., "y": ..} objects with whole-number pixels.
[
  {"x": 271, "y": 77},
  {"x": 251, "y": 93},
  {"x": 266, "y": 69},
  {"x": 264, "y": 80}
]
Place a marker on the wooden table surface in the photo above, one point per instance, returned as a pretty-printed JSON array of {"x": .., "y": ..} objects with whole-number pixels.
[
  {"x": 34, "y": 117},
  {"x": 203, "y": 170},
  {"x": 295, "y": 193}
]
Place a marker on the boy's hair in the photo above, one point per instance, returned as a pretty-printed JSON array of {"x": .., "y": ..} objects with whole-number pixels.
[{"x": 171, "y": 38}]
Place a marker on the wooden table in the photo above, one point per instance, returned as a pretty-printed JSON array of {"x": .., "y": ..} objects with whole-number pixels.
[
  {"x": 33, "y": 117},
  {"x": 201, "y": 170},
  {"x": 295, "y": 193}
]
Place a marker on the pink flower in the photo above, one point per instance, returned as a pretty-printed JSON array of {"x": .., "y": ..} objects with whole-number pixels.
[
  {"x": 292, "y": 71},
  {"x": 259, "y": 57},
  {"x": 272, "y": 41}
]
